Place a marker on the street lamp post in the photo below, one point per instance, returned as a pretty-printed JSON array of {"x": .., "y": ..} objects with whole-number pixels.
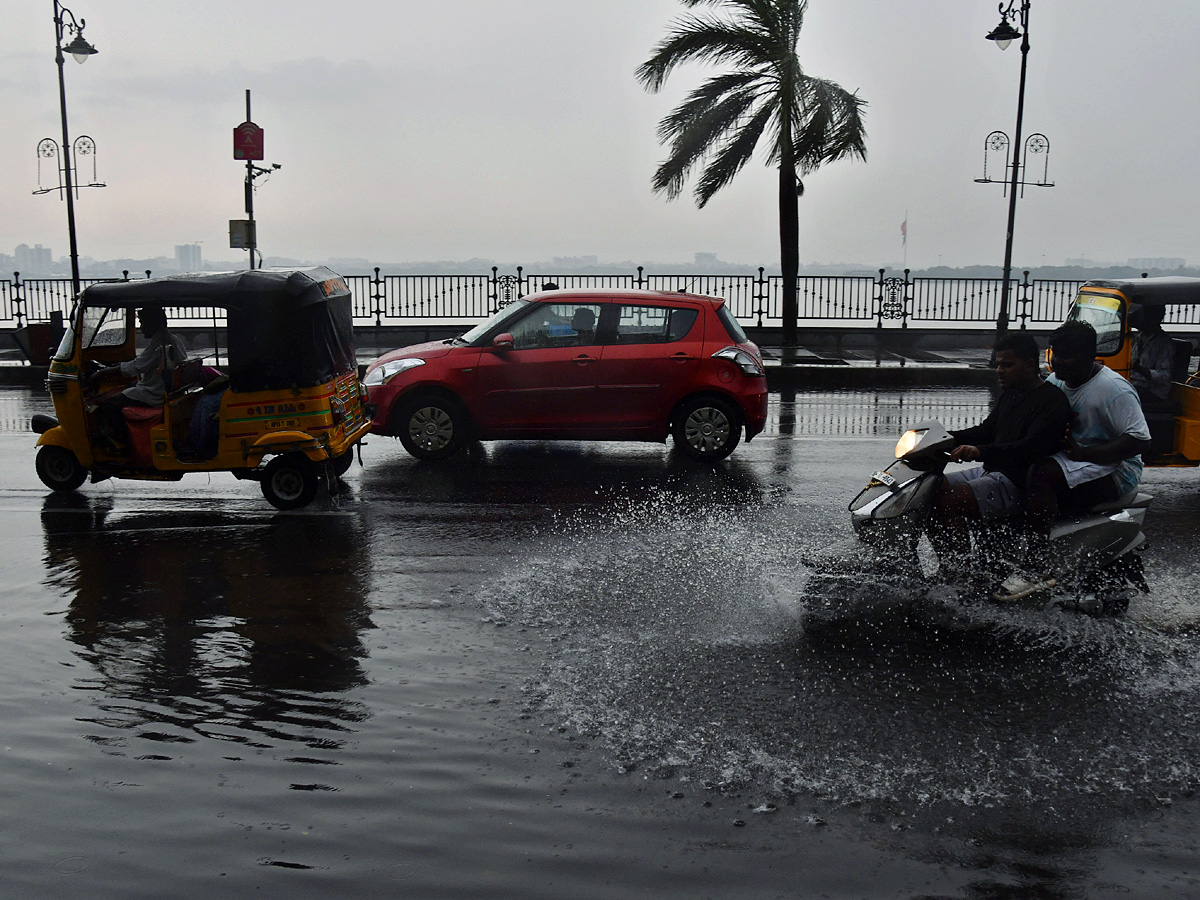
[
  {"x": 80, "y": 50},
  {"x": 1004, "y": 34}
]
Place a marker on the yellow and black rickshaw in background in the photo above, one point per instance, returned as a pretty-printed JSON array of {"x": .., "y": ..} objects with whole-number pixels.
[
  {"x": 285, "y": 408},
  {"x": 1109, "y": 307}
]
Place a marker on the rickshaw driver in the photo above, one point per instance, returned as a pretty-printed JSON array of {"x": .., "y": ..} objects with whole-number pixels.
[{"x": 150, "y": 390}]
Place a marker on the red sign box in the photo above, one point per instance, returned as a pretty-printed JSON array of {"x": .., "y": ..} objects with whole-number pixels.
[{"x": 247, "y": 141}]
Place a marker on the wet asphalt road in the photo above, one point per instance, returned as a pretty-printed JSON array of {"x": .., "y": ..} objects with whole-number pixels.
[{"x": 570, "y": 670}]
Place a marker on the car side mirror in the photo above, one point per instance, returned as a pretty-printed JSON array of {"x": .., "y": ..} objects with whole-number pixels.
[{"x": 502, "y": 341}]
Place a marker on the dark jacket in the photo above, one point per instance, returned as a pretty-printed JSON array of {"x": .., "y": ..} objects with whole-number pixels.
[{"x": 1024, "y": 427}]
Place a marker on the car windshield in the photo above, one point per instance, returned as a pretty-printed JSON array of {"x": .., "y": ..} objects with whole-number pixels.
[
  {"x": 1103, "y": 313},
  {"x": 504, "y": 314}
]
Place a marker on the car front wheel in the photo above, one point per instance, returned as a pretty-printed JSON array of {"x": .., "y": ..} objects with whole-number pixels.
[
  {"x": 432, "y": 427},
  {"x": 707, "y": 428}
]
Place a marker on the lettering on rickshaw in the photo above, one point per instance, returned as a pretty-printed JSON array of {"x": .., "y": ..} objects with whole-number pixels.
[
  {"x": 275, "y": 409},
  {"x": 284, "y": 423}
]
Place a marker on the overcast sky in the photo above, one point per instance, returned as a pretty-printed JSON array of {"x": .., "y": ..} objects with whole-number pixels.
[{"x": 514, "y": 130}]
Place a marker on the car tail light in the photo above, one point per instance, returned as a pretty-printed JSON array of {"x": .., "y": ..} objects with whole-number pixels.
[{"x": 743, "y": 360}]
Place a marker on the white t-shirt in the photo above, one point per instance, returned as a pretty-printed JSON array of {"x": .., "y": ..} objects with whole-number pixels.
[{"x": 1103, "y": 408}]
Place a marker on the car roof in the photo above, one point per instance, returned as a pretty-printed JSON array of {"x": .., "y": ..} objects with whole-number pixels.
[
  {"x": 1168, "y": 290},
  {"x": 623, "y": 294}
]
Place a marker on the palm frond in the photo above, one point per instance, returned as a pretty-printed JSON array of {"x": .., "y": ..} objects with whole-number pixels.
[
  {"x": 733, "y": 157},
  {"x": 696, "y": 139},
  {"x": 702, "y": 100},
  {"x": 704, "y": 39},
  {"x": 828, "y": 124}
]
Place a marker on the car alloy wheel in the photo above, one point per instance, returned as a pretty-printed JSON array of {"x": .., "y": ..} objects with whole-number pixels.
[
  {"x": 707, "y": 428},
  {"x": 432, "y": 427}
]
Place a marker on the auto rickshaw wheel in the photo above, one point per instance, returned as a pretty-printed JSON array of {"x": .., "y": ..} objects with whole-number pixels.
[
  {"x": 432, "y": 427},
  {"x": 59, "y": 469},
  {"x": 290, "y": 481},
  {"x": 341, "y": 464}
]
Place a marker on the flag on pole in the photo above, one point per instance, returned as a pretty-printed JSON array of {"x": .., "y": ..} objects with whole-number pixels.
[{"x": 904, "y": 232}]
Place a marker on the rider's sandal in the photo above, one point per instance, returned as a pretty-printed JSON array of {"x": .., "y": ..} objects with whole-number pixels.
[{"x": 1018, "y": 587}]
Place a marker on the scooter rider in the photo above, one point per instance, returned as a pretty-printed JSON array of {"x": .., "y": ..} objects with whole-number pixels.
[
  {"x": 1101, "y": 462},
  {"x": 1024, "y": 427}
]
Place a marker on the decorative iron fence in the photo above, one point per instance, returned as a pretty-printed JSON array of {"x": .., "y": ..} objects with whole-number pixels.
[{"x": 825, "y": 301}]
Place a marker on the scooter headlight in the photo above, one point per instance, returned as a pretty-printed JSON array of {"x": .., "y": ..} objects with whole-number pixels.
[
  {"x": 389, "y": 370},
  {"x": 908, "y": 442}
]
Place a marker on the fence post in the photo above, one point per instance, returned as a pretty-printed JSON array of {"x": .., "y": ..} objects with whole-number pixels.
[
  {"x": 760, "y": 296},
  {"x": 640, "y": 281},
  {"x": 1024, "y": 301},
  {"x": 18, "y": 300},
  {"x": 376, "y": 296}
]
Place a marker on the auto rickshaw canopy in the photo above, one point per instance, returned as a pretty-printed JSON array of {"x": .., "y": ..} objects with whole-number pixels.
[
  {"x": 1169, "y": 290},
  {"x": 287, "y": 328}
]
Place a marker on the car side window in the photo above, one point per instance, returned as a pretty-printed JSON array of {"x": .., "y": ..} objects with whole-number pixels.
[
  {"x": 557, "y": 325},
  {"x": 654, "y": 324}
]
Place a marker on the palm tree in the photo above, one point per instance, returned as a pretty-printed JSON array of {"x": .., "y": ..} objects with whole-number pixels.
[{"x": 808, "y": 121}]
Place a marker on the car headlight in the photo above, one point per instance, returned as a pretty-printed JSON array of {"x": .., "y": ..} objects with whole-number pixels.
[
  {"x": 743, "y": 360},
  {"x": 389, "y": 370}
]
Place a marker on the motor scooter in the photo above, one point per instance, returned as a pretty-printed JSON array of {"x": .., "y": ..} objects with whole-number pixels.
[{"x": 1096, "y": 553}]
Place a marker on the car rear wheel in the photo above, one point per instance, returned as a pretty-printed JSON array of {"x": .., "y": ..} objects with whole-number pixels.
[
  {"x": 707, "y": 428},
  {"x": 290, "y": 481},
  {"x": 59, "y": 469},
  {"x": 432, "y": 427}
]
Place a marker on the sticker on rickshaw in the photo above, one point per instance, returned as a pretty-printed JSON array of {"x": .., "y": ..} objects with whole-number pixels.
[
  {"x": 1099, "y": 301},
  {"x": 284, "y": 423}
]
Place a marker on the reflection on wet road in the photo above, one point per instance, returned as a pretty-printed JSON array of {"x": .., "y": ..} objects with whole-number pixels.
[{"x": 537, "y": 662}]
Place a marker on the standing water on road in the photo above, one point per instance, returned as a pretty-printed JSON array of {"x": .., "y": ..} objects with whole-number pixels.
[{"x": 572, "y": 670}]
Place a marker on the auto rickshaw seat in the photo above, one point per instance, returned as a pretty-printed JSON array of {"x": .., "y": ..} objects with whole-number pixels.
[{"x": 140, "y": 419}]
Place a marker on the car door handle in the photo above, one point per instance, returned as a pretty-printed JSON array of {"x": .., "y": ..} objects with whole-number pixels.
[
  {"x": 583, "y": 359},
  {"x": 682, "y": 357}
]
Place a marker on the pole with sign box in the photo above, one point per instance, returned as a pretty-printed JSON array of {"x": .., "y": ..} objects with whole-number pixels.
[{"x": 248, "y": 145}]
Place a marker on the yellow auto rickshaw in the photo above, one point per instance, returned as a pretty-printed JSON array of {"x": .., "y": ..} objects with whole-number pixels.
[
  {"x": 285, "y": 407},
  {"x": 1112, "y": 308}
]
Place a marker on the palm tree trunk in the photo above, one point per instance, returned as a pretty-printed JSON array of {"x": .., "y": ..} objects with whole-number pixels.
[{"x": 789, "y": 249}]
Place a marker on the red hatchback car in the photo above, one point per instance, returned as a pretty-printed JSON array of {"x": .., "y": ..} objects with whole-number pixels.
[{"x": 579, "y": 365}]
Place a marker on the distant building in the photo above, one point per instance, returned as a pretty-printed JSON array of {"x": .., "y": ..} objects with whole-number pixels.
[
  {"x": 187, "y": 257},
  {"x": 707, "y": 259},
  {"x": 35, "y": 260},
  {"x": 1157, "y": 262}
]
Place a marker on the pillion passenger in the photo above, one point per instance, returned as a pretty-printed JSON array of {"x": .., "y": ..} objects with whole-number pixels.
[
  {"x": 1024, "y": 427},
  {"x": 1102, "y": 460}
]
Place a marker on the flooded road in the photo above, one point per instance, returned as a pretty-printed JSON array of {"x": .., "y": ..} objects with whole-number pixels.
[{"x": 586, "y": 670}]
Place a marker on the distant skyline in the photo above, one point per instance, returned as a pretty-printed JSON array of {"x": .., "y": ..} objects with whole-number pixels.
[{"x": 514, "y": 130}]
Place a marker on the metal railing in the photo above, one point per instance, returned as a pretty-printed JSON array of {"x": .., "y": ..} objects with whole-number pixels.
[{"x": 896, "y": 300}]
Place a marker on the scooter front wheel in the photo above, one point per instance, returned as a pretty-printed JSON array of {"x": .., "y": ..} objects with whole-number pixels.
[{"x": 59, "y": 469}]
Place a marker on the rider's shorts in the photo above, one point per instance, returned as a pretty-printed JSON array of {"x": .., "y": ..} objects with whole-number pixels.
[{"x": 995, "y": 493}]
